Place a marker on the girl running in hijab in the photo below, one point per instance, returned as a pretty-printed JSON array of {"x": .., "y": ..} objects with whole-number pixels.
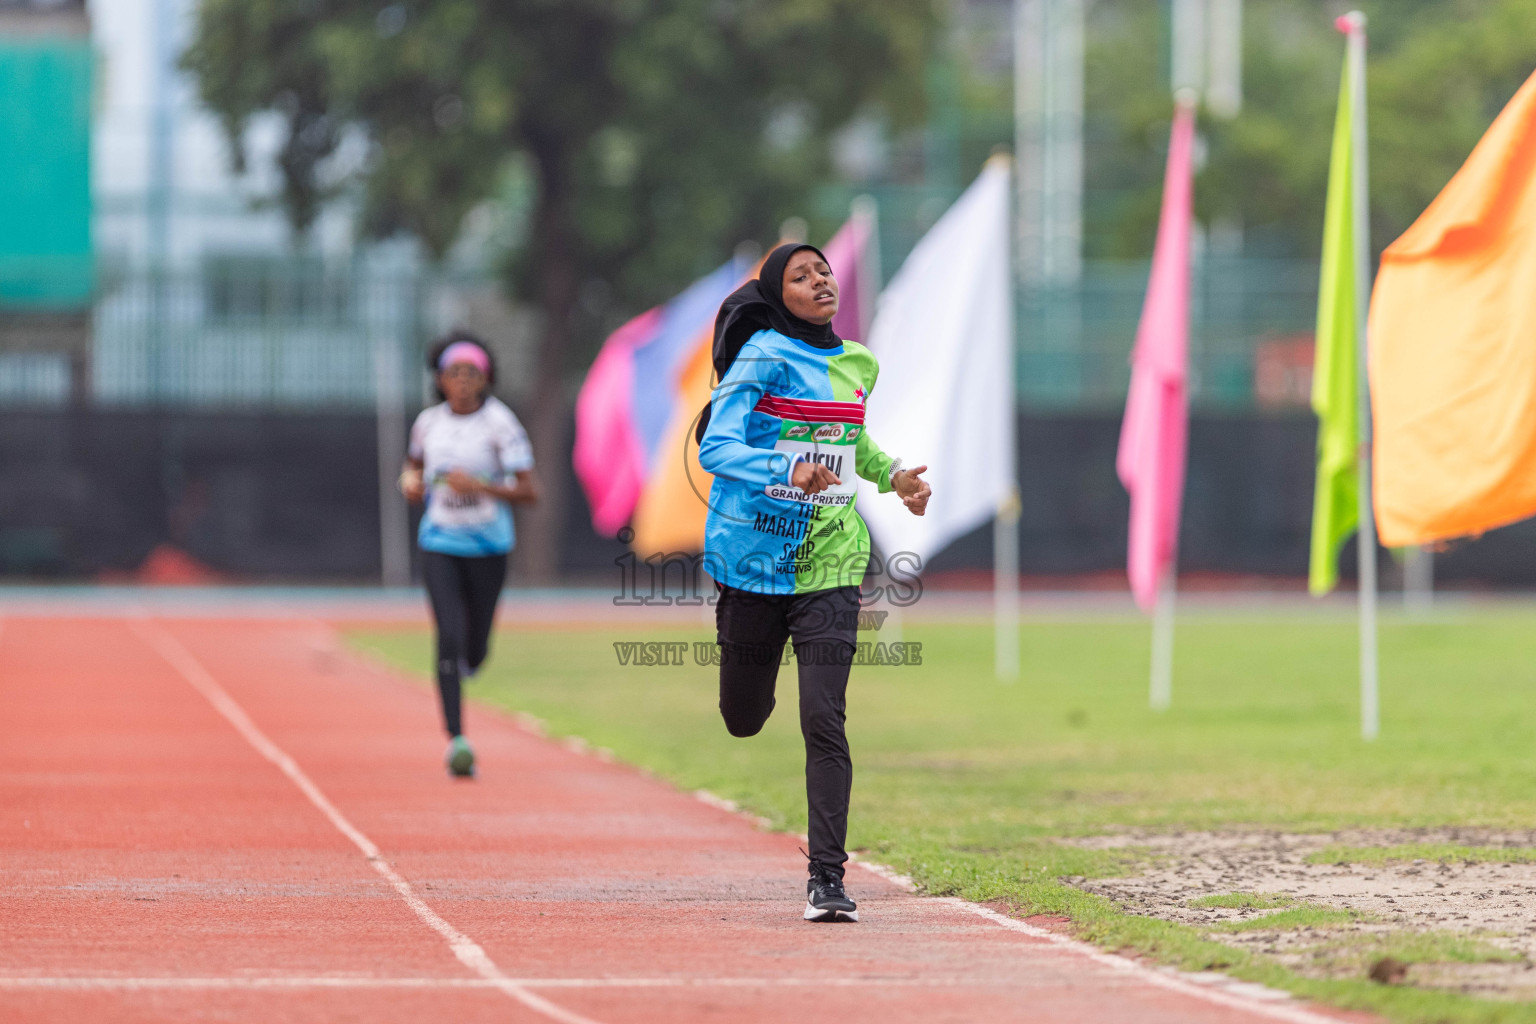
[
  {"x": 468, "y": 459},
  {"x": 784, "y": 436}
]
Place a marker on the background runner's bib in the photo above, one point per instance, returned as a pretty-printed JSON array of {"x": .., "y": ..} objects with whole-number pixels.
[{"x": 448, "y": 508}]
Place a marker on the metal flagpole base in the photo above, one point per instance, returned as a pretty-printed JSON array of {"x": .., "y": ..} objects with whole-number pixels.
[
  {"x": 1005, "y": 583},
  {"x": 1160, "y": 697}
]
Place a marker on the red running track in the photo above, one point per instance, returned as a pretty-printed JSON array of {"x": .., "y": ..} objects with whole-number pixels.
[{"x": 231, "y": 821}]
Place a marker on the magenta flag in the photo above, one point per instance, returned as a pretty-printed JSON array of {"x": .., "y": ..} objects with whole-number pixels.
[
  {"x": 847, "y": 254},
  {"x": 608, "y": 455},
  {"x": 1154, "y": 436}
]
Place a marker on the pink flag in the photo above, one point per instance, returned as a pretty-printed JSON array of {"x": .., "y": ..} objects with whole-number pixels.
[
  {"x": 849, "y": 254},
  {"x": 1154, "y": 435},
  {"x": 608, "y": 454}
]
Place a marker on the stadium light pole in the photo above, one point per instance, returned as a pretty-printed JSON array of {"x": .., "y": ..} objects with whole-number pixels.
[
  {"x": 1224, "y": 58},
  {"x": 161, "y": 185},
  {"x": 1048, "y": 141},
  {"x": 389, "y": 421},
  {"x": 1048, "y": 233}
]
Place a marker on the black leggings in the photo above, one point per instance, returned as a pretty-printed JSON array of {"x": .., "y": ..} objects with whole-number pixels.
[
  {"x": 751, "y": 629},
  {"x": 463, "y": 593}
]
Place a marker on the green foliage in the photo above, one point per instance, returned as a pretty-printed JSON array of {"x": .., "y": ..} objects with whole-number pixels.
[
  {"x": 1356, "y": 952},
  {"x": 1436, "y": 95},
  {"x": 1243, "y": 901},
  {"x": 1443, "y": 853},
  {"x": 1307, "y": 915},
  {"x": 655, "y": 134},
  {"x": 1439, "y": 72}
]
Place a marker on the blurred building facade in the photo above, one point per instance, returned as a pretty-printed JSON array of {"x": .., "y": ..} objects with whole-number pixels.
[{"x": 178, "y": 282}]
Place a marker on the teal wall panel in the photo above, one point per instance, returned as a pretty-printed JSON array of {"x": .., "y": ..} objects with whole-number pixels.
[{"x": 45, "y": 172}]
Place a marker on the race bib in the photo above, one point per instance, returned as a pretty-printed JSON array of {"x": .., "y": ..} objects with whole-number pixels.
[
  {"x": 832, "y": 445},
  {"x": 453, "y": 510}
]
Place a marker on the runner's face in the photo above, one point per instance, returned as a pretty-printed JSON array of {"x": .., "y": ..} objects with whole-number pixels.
[
  {"x": 810, "y": 290},
  {"x": 464, "y": 385}
]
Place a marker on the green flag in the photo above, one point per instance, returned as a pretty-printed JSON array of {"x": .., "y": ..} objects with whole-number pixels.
[{"x": 1335, "y": 373}]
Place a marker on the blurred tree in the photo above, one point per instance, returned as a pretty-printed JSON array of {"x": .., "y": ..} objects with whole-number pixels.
[
  {"x": 656, "y": 133},
  {"x": 1435, "y": 95},
  {"x": 1440, "y": 71}
]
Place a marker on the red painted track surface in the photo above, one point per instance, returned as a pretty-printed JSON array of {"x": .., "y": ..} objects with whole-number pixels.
[{"x": 157, "y": 863}]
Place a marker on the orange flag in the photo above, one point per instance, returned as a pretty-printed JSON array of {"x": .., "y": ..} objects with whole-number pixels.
[
  {"x": 1453, "y": 348},
  {"x": 672, "y": 509}
]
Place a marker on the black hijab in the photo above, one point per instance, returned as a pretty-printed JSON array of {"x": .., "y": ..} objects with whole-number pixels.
[{"x": 759, "y": 305}]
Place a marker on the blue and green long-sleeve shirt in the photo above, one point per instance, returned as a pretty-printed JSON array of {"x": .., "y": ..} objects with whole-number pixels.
[{"x": 781, "y": 402}]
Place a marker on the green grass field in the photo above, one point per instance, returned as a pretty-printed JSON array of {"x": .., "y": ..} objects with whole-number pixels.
[{"x": 964, "y": 782}]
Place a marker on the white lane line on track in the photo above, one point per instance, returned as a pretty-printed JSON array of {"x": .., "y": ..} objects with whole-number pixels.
[
  {"x": 1216, "y": 988},
  {"x": 464, "y": 948},
  {"x": 328, "y": 981}
]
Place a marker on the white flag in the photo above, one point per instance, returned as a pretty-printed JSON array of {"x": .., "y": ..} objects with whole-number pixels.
[{"x": 943, "y": 333}]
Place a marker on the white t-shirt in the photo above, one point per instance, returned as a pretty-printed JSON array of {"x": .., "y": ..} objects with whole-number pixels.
[{"x": 489, "y": 444}]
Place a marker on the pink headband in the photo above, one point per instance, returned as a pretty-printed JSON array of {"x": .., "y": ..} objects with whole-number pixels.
[{"x": 465, "y": 352}]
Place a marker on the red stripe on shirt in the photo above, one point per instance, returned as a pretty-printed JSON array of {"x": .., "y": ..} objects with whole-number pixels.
[{"x": 806, "y": 410}]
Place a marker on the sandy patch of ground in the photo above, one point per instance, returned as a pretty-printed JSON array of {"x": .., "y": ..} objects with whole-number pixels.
[{"x": 1491, "y": 903}]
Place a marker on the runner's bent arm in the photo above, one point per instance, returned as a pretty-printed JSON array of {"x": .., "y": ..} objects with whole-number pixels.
[
  {"x": 523, "y": 490},
  {"x": 875, "y": 466},
  {"x": 871, "y": 463},
  {"x": 411, "y": 483},
  {"x": 724, "y": 452}
]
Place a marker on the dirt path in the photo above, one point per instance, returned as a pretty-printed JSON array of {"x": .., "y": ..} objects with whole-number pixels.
[
  {"x": 1489, "y": 903},
  {"x": 227, "y": 820}
]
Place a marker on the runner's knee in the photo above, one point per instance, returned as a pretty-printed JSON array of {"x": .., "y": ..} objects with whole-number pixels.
[
  {"x": 747, "y": 676},
  {"x": 745, "y": 710},
  {"x": 743, "y": 724}
]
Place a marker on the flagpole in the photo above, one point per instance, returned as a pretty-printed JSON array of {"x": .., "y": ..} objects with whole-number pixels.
[
  {"x": 1161, "y": 695},
  {"x": 1370, "y": 703},
  {"x": 1005, "y": 528},
  {"x": 1419, "y": 579},
  {"x": 1005, "y": 586}
]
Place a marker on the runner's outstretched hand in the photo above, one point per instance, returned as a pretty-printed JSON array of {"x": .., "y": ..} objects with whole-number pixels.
[
  {"x": 813, "y": 477},
  {"x": 913, "y": 490}
]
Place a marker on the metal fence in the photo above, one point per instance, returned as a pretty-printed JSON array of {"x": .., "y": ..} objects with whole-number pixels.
[
  {"x": 1251, "y": 318},
  {"x": 302, "y": 335},
  {"x": 253, "y": 334},
  {"x": 1251, "y": 324}
]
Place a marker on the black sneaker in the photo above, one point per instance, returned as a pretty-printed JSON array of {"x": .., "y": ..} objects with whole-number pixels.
[{"x": 826, "y": 901}]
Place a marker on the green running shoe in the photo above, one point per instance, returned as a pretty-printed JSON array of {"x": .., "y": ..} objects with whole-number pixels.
[{"x": 461, "y": 758}]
